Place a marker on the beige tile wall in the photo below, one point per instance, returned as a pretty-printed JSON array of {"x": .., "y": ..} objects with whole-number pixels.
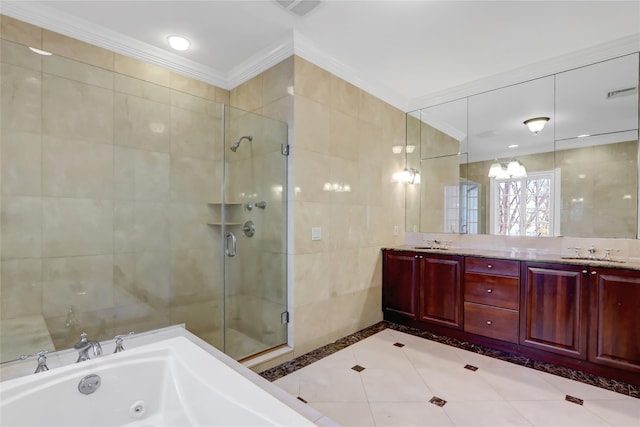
[
  {"x": 107, "y": 168},
  {"x": 341, "y": 135},
  {"x": 599, "y": 190}
]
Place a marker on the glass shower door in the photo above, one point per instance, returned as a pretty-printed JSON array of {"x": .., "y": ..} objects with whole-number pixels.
[{"x": 255, "y": 233}]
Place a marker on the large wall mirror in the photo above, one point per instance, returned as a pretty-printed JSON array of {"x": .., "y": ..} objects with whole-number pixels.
[{"x": 483, "y": 171}]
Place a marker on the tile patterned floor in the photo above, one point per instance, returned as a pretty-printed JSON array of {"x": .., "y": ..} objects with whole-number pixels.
[{"x": 392, "y": 378}]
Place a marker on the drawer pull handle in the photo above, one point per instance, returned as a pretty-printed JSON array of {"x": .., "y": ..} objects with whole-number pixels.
[
  {"x": 489, "y": 322},
  {"x": 489, "y": 291},
  {"x": 489, "y": 266},
  {"x": 584, "y": 271},
  {"x": 593, "y": 272}
]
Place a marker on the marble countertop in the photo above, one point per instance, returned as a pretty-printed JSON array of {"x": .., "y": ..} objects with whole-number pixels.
[{"x": 528, "y": 255}]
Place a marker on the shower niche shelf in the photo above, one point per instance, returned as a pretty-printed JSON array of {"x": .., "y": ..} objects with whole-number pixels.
[{"x": 230, "y": 212}]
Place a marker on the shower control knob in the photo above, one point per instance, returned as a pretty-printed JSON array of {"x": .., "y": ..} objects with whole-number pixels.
[{"x": 249, "y": 229}]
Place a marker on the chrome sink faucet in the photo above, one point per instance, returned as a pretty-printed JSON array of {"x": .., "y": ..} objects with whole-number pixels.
[
  {"x": 578, "y": 254},
  {"x": 83, "y": 346},
  {"x": 592, "y": 252}
]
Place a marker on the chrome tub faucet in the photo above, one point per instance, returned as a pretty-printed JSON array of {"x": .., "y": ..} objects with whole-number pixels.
[
  {"x": 42, "y": 360},
  {"x": 83, "y": 346},
  {"x": 119, "y": 339}
]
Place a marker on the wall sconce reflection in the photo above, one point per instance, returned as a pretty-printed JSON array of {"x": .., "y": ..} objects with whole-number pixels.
[
  {"x": 336, "y": 187},
  {"x": 408, "y": 176},
  {"x": 157, "y": 127}
]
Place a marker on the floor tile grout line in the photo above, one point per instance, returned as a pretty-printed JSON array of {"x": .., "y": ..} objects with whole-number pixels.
[
  {"x": 447, "y": 412},
  {"x": 355, "y": 357},
  {"x": 415, "y": 368},
  {"x": 578, "y": 376},
  {"x": 484, "y": 381}
]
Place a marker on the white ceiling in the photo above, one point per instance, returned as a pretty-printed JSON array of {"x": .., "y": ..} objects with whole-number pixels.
[{"x": 405, "y": 52}]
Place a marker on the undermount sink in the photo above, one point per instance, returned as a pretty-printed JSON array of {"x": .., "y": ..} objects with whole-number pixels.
[
  {"x": 574, "y": 258},
  {"x": 430, "y": 248}
]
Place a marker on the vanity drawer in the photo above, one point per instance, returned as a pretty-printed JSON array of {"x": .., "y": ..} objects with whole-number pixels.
[
  {"x": 498, "y": 291},
  {"x": 493, "y": 322},
  {"x": 500, "y": 267}
]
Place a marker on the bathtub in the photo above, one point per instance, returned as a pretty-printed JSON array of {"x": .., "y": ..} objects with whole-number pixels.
[{"x": 173, "y": 382}]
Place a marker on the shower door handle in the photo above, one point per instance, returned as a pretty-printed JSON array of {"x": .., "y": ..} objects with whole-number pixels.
[{"x": 230, "y": 250}]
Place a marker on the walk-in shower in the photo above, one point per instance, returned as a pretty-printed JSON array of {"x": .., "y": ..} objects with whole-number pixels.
[
  {"x": 117, "y": 196},
  {"x": 236, "y": 144}
]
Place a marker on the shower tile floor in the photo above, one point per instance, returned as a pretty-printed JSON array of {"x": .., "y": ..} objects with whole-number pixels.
[
  {"x": 238, "y": 345},
  {"x": 396, "y": 379}
]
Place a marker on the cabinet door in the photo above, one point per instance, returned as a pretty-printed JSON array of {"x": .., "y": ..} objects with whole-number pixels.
[
  {"x": 614, "y": 337},
  {"x": 440, "y": 297},
  {"x": 553, "y": 311},
  {"x": 399, "y": 279}
]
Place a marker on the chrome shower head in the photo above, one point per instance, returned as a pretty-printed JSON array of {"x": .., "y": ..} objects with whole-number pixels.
[{"x": 236, "y": 144}]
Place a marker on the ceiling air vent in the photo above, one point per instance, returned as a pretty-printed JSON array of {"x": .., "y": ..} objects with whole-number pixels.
[
  {"x": 621, "y": 92},
  {"x": 299, "y": 7}
]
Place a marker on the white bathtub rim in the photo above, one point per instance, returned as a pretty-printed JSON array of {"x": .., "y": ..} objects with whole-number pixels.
[{"x": 154, "y": 340}]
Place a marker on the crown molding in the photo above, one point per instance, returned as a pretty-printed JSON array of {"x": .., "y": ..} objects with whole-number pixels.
[
  {"x": 600, "y": 52},
  {"x": 37, "y": 13},
  {"x": 304, "y": 48},
  {"x": 261, "y": 61}
]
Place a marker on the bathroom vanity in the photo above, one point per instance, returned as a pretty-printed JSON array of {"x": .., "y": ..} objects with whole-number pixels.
[{"x": 582, "y": 314}]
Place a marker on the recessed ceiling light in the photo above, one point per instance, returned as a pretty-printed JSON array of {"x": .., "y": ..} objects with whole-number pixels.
[
  {"x": 178, "y": 42},
  {"x": 40, "y": 51},
  {"x": 513, "y": 146}
]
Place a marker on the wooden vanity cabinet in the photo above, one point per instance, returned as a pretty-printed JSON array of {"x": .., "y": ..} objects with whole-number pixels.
[
  {"x": 423, "y": 287},
  {"x": 554, "y": 308},
  {"x": 400, "y": 276},
  {"x": 491, "y": 303},
  {"x": 440, "y": 290},
  {"x": 614, "y": 329},
  {"x": 584, "y": 318}
]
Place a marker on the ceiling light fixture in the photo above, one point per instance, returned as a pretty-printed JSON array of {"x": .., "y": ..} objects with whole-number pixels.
[
  {"x": 178, "y": 42},
  {"x": 495, "y": 170},
  {"x": 515, "y": 169},
  {"x": 536, "y": 124},
  {"x": 510, "y": 170},
  {"x": 513, "y": 146}
]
